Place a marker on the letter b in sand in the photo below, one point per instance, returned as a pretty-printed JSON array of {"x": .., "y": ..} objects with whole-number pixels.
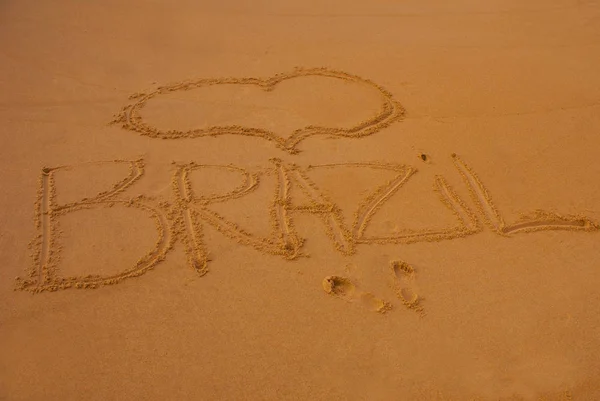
[{"x": 47, "y": 246}]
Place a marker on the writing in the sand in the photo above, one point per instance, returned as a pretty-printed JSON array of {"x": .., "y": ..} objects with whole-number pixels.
[{"x": 182, "y": 219}]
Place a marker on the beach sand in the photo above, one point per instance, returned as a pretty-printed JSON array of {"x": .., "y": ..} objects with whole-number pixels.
[{"x": 317, "y": 200}]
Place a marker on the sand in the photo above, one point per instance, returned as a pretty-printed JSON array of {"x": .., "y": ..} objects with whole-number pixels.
[{"x": 300, "y": 200}]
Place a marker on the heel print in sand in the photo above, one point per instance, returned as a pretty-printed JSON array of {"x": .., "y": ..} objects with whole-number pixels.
[
  {"x": 345, "y": 289},
  {"x": 402, "y": 275}
]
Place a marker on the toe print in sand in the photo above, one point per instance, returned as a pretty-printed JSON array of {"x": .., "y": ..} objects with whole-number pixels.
[
  {"x": 403, "y": 279},
  {"x": 293, "y": 192}
]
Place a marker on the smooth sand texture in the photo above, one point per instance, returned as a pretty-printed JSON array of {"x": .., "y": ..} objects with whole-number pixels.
[{"x": 318, "y": 200}]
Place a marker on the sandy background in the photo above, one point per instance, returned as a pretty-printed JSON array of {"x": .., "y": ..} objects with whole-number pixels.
[{"x": 512, "y": 87}]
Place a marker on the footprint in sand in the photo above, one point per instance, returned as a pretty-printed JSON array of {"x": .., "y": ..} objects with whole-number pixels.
[
  {"x": 345, "y": 289},
  {"x": 403, "y": 273}
]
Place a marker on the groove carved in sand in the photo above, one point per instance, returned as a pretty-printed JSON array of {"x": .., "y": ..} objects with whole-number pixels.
[
  {"x": 538, "y": 220},
  {"x": 390, "y": 111},
  {"x": 467, "y": 222},
  {"x": 329, "y": 212},
  {"x": 191, "y": 211},
  {"x": 44, "y": 273},
  {"x": 185, "y": 218}
]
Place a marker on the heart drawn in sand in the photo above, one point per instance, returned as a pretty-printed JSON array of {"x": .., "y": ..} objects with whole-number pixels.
[{"x": 391, "y": 111}]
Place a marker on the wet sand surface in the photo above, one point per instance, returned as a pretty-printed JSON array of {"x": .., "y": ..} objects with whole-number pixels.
[{"x": 334, "y": 200}]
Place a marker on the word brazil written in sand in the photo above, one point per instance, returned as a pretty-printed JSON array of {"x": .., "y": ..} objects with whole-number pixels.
[{"x": 184, "y": 217}]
